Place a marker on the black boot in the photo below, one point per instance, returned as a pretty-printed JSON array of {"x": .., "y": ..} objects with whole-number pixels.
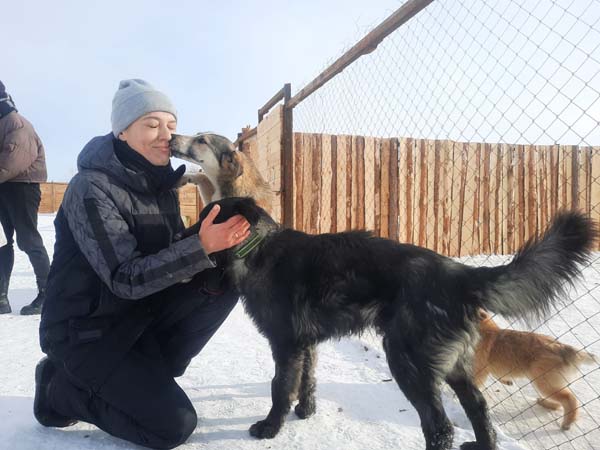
[
  {"x": 44, "y": 371},
  {"x": 35, "y": 307},
  {"x": 4, "y": 305}
]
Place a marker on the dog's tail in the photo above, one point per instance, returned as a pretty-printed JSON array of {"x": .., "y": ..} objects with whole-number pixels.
[{"x": 529, "y": 285}]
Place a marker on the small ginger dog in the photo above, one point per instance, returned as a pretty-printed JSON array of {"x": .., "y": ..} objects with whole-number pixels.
[{"x": 550, "y": 365}]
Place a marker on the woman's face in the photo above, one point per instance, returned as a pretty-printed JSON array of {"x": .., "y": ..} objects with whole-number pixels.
[{"x": 150, "y": 135}]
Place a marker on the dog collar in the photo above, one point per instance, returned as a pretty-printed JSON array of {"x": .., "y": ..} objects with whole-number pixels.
[{"x": 249, "y": 244}]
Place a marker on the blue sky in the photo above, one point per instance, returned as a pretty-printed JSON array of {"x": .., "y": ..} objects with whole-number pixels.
[{"x": 218, "y": 61}]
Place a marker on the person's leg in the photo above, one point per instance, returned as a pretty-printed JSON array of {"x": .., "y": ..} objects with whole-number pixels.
[
  {"x": 139, "y": 402},
  {"x": 7, "y": 253},
  {"x": 27, "y": 201},
  {"x": 187, "y": 320}
]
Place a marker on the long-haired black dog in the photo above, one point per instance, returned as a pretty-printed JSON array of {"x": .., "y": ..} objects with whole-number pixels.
[{"x": 303, "y": 289}]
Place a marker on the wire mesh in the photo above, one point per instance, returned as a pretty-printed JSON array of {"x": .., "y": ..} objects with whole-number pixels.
[{"x": 465, "y": 131}]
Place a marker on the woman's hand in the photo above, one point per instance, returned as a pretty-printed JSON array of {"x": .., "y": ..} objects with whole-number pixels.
[{"x": 215, "y": 237}]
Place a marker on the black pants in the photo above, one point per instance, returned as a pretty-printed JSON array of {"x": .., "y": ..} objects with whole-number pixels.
[
  {"x": 19, "y": 203},
  {"x": 140, "y": 401}
]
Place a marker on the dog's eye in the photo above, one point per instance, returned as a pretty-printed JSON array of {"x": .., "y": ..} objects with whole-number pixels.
[{"x": 200, "y": 140}]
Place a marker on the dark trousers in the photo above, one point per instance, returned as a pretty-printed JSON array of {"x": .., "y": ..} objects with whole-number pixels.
[
  {"x": 19, "y": 203},
  {"x": 140, "y": 401}
]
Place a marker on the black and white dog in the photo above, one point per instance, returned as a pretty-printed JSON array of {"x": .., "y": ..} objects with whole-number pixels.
[{"x": 303, "y": 289}]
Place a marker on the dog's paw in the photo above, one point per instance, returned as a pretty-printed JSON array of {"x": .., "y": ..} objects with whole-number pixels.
[
  {"x": 304, "y": 411},
  {"x": 263, "y": 429},
  {"x": 475, "y": 446}
]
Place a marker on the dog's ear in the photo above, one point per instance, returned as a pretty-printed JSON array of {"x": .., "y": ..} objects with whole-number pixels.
[{"x": 231, "y": 163}]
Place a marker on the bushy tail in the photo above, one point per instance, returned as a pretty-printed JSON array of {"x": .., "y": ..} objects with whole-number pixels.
[{"x": 531, "y": 283}]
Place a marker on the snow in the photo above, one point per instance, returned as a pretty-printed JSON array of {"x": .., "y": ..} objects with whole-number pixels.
[{"x": 229, "y": 385}]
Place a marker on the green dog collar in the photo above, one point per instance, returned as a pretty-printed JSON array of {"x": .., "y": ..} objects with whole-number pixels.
[{"x": 249, "y": 244}]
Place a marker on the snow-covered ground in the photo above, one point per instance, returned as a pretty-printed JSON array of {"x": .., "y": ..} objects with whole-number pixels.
[{"x": 229, "y": 384}]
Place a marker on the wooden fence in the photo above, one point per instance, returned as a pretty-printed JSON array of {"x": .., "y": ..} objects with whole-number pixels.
[
  {"x": 452, "y": 197},
  {"x": 189, "y": 200}
]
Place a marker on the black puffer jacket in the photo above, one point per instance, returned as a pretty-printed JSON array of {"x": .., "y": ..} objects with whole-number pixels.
[{"x": 114, "y": 248}]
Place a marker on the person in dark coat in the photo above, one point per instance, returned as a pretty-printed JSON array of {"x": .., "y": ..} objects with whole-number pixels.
[
  {"x": 128, "y": 305},
  {"x": 22, "y": 169}
]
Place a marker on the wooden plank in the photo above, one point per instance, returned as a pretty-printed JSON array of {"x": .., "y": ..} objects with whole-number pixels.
[
  {"x": 554, "y": 174},
  {"x": 350, "y": 190},
  {"x": 532, "y": 194},
  {"x": 470, "y": 236},
  {"x": 509, "y": 212},
  {"x": 307, "y": 151},
  {"x": 585, "y": 180},
  {"x": 298, "y": 181},
  {"x": 315, "y": 194},
  {"x": 360, "y": 181},
  {"x": 431, "y": 225},
  {"x": 446, "y": 194},
  {"x": 486, "y": 197},
  {"x": 438, "y": 186},
  {"x": 455, "y": 232},
  {"x": 342, "y": 169},
  {"x": 523, "y": 178},
  {"x": 496, "y": 195},
  {"x": 402, "y": 183},
  {"x": 327, "y": 211},
  {"x": 463, "y": 154},
  {"x": 334, "y": 184},
  {"x": 421, "y": 192},
  {"x": 394, "y": 174},
  {"x": 410, "y": 198},
  {"x": 369, "y": 183},
  {"x": 385, "y": 188},
  {"x": 595, "y": 188},
  {"x": 542, "y": 183},
  {"x": 564, "y": 168},
  {"x": 377, "y": 186}
]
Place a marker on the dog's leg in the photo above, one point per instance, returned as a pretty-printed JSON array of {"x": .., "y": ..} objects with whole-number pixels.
[
  {"x": 307, "y": 405},
  {"x": 550, "y": 385},
  {"x": 288, "y": 370},
  {"x": 421, "y": 386},
  {"x": 476, "y": 408}
]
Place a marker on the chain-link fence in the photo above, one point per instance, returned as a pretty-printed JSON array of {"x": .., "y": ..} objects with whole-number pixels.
[{"x": 465, "y": 130}]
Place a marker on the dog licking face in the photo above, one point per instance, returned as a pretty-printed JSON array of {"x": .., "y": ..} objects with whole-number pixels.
[{"x": 226, "y": 172}]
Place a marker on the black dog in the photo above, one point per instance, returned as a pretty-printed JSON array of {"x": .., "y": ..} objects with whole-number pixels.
[{"x": 303, "y": 289}]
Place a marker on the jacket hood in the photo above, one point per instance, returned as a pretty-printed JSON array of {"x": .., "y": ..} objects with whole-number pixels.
[{"x": 99, "y": 154}]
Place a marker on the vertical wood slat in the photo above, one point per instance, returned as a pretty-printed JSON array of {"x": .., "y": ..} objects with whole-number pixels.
[
  {"x": 298, "y": 181},
  {"x": 446, "y": 182},
  {"x": 349, "y": 187},
  {"x": 457, "y": 199},
  {"x": 409, "y": 164},
  {"x": 377, "y": 186},
  {"x": 486, "y": 246},
  {"x": 326, "y": 212},
  {"x": 595, "y": 188},
  {"x": 385, "y": 188},
  {"x": 334, "y": 184},
  {"x": 437, "y": 187},
  {"x": 360, "y": 180},
  {"x": 394, "y": 174},
  {"x": 315, "y": 174},
  {"x": 369, "y": 184},
  {"x": 431, "y": 226}
]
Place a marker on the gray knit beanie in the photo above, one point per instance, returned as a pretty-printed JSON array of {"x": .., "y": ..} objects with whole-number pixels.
[{"x": 133, "y": 99}]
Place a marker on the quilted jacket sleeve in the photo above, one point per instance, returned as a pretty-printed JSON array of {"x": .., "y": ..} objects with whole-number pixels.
[{"x": 103, "y": 236}]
